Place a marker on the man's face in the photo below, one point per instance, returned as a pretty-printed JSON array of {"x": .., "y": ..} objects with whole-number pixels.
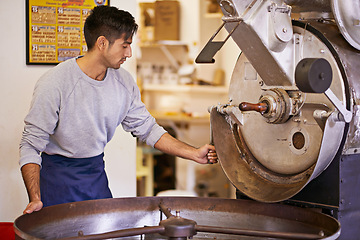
[{"x": 116, "y": 53}]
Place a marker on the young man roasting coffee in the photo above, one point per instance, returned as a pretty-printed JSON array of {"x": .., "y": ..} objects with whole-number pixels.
[{"x": 75, "y": 110}]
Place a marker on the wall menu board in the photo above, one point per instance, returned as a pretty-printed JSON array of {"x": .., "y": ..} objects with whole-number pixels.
[{"x": 54, "y": 29}]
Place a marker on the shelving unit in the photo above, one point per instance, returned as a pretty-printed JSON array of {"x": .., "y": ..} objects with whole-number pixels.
[
  {"x": 181, "y": 118},
  {"x": 163, "y": 43},
  {"x": 213, "y": 15},
  {"x": 144, "y": 172},
  {"x": 170, "y": 49},
  {"x": 196, "y": 89},
  {"x": 184, "y": 107},
  {"x": 164, "y": 52}
]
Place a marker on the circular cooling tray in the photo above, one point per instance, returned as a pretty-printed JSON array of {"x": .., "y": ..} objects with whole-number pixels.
[{"x": 247, "y": 217}]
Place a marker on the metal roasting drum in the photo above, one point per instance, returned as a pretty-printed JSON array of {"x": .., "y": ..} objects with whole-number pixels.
[
  {"x": 290, "y": 131},
  {"x": 292, "y": 96}
]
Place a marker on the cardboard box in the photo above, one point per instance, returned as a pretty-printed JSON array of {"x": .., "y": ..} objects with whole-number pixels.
[
  {"x": 147, "y": 21},
  {"x": 167, "y": 20}
]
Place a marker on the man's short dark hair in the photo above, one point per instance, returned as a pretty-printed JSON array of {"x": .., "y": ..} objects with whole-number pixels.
[{"x": 110, "y": 22}]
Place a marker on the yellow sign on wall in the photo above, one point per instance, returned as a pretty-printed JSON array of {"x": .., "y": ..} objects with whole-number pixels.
[{"x": 54, "y": 29}]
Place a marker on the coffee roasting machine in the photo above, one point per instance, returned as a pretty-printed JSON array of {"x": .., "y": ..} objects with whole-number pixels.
[
  {"x": 290, "y": 130},
  {"x": 288, "y": 138}
]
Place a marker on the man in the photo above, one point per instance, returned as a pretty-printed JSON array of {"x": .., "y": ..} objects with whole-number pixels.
[{"x": 75, "y": 110}]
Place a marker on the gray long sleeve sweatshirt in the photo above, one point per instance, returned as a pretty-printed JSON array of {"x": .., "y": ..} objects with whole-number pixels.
[{"x": 75, "y": 116}]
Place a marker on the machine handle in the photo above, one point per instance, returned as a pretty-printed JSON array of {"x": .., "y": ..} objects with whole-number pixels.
[{"x": 260, "y": 107}]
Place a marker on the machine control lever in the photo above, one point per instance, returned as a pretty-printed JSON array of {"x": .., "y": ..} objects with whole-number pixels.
[
  {"x": 260, "y": 107},
  {"x": 346, "y": 114}
]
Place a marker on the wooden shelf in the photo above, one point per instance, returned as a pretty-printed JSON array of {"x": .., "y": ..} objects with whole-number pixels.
[
  {"x": 170, "y": 49},
  {"x": 186, "y": 88},
  {"x": 178, "y": 117},
  {"x": 214, "y": 15},
  {"x": 163, "y": 44}
]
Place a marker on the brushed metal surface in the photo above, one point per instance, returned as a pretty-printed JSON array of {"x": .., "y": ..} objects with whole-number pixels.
[{"x": 99, "y": 216}]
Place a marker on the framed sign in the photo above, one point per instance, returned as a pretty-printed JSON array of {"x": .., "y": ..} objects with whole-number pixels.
[{"x": 54, "y": 29}]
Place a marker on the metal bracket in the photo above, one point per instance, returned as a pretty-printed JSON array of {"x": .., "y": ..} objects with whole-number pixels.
[
  {"x": 233, "y": 113},
  {"x": 212, "y": 47},
  {"x": 346, "y": 115}
]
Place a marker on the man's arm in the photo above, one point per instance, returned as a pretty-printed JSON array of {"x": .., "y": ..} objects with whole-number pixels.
[
  {"x": 31, "y": 175},
  {"x": 170, "y": 145}
]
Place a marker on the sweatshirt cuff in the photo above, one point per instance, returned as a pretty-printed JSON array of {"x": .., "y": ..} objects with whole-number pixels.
[
  {"x": 155, "y": 134},
  {"x": 30, "y": 159}
]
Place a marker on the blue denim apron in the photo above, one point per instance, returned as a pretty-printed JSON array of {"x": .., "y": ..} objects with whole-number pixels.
[{"x": 64, "y": 180}]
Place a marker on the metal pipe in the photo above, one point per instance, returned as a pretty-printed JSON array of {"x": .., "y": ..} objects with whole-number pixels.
[
  {"x": 120, "y": 233},
  {"x": 165, "y": 210},
  {"x": 257, "y": 233}
]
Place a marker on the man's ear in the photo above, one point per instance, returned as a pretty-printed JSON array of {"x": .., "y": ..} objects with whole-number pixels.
[{"x": 101, "y": 42}]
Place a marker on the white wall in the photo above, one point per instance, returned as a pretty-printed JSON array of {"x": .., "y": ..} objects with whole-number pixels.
[
  {"x": 120, "y": 153},
  {"x": 17, "y": 83}
]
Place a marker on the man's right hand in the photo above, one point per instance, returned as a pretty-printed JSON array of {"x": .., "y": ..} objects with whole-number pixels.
[
  {"x": 33, "y": 206},
  {"x": 31, "y": 176}
]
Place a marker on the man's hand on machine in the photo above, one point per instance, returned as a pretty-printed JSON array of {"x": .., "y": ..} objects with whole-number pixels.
[
  {"x": 33, "y": 206},
  {"x": 207, "y": 155},
  {"x": 170, "y": 145}
]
